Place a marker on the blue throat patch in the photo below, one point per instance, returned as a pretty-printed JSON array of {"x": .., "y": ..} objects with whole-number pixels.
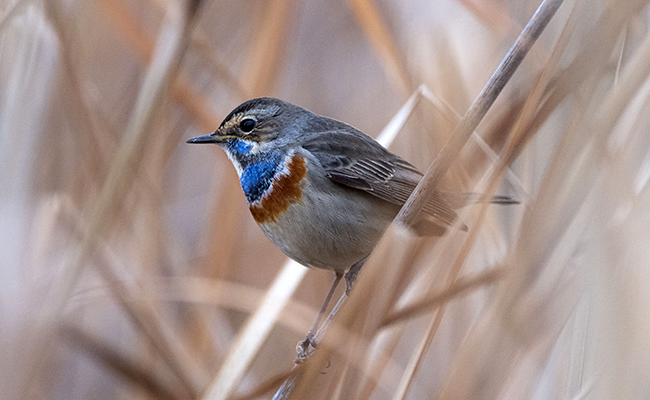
[
  {"x": 241, "y": 146},
  {"x": 258, "y": 170},
  {"x": 256, "y": 178}
]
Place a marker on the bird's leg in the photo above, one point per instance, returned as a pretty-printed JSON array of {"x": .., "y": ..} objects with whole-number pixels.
[
  {"x": 316, "y": 324},
  {"x": 304, "y": 347}
]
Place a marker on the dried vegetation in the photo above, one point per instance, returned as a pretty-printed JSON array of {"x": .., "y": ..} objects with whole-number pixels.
[{"x": 131, "y": 268}]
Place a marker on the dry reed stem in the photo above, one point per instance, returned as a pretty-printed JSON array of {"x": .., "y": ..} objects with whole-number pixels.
[
  {"x": 125, "y": 25},
  {"x": 261, "y": 70},
  {"x": 265, "y": 387},
  {"x": 264, "y": 60},
  {"x": 542, "y": 230},
  {"x": 144, "y": 317},
  {"x": 598, "y": 47},
  {"x": 459, "y": 287},
  {"x": 476, "y": 112},
  {"x": 88, "y": 121},
  {"x": 466, "y": 127},
  {"x": 418, "y": 285},
  {"x": 592, "y": 205},
  {"x": 514, "y": 143},
  {"x": 421, "y": 351},
  {"x": 163, "y": 68},
  {"x": 382, "y": 42},
  {"x": 219, "y": 294},
  {"x": 360, "y": 318},
  {"x": 395, "y": 125},
  {"x": 492, "y": 15},
  {"x": 138, "y": 374},
  {"x": 142, "y": 313},
  {"x": 572, "y": 143},
  {"x": 252, "y": 335},
  {"x": 388, "y": 134},
  {"x": 454, "y": 117},
  {"x": 451, "y": 115}
]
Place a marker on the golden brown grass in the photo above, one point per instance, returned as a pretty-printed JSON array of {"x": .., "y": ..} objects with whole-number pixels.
[{"x": 131, "y": 268}]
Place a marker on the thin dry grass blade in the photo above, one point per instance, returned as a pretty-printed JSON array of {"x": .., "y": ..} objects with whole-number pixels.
[
  {"x": 533, "y": 310},
  {"x": 454, "y": 117},
  {"x": 142, "y": 313},
  {"x": 264, "y": 59},
  {"x": 395, "y": 125},
  {"x": 419, "y": 354},
  {"x": 252, "y": 335},
  {"x": 378, "y": 277},
  {"x": 458, "y": 288},
  {"x": 171, "y": 45},
  {"x": 477, "y": 111},
  {"x": 143, "y": 45},
  {"x": 139, "y": 375},
  {"x": 180, "y": 272},
  {"x": 492, "y": 15},
  {"x": 461, "y": 134},
  {"x": 375, "y": 28},
  {"x": 598, "y": 47},
  {"x": 259, "y": 76},
  {"x": 265, "y": 387}
]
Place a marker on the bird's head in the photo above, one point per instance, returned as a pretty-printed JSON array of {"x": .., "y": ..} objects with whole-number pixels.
[{"x": 258, "y": 126}]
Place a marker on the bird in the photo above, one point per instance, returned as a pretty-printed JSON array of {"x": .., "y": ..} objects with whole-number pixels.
[{"x": 322, "y": 191}]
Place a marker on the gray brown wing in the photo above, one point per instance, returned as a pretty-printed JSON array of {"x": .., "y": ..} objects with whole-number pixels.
[{"x": 355, "y": 160}]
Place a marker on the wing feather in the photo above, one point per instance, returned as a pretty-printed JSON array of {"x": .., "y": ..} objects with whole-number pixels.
[{"x": 351, "y": 158}]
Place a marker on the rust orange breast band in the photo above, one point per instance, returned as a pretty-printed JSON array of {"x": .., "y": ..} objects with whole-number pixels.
[{"x": 284, "y": 191}]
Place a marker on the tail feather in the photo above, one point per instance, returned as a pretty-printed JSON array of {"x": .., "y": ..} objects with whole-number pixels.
[
  {"x": 459, "y": 200},
  {"x": 500, "y": 199}
]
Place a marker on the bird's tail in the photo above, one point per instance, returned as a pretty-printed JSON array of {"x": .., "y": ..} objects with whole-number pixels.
[
  {"x": 501, "y": 199},
  {"x": 458, "y": 200}
]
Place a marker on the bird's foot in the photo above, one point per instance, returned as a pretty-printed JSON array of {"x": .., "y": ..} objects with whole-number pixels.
[
  {"x": 351, "y": 275},
  {"x": 305, "y": 348}
]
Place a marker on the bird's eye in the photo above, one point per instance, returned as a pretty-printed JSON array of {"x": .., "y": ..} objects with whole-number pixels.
[{"x": 247, "y": 125}]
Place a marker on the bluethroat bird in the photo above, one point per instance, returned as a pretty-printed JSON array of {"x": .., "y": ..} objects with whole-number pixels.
[{"x": 322, "y": 191}]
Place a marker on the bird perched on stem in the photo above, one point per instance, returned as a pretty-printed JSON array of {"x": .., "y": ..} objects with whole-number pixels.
[{"x": 322, "y": 191}]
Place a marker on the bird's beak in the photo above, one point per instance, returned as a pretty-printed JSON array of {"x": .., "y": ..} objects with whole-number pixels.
[{"x": 210, "y": 138}]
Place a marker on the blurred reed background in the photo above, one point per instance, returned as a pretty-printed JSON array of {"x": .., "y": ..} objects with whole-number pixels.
[{"x": 129, "y": 264}]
